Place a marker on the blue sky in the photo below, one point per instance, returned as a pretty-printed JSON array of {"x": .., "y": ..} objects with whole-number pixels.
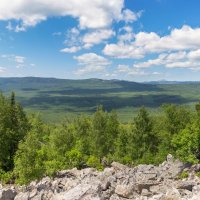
[{"x": 137, "y": 40}]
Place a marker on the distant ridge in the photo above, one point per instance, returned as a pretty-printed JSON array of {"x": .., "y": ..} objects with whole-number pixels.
[{"x": 33, "y": 78}]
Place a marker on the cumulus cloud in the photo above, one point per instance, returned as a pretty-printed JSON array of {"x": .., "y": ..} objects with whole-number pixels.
[
  {"x": 91, "y": 63},
  {"x": 97, "y": 37},
  {"x": 181, "y": 59},
  {"x": 90, "y": 14},
  {"x": 179, "y": 39},
  {"x": 76, "y": 41},
  {"x": 91, "y": 59},
  {"x": 130, "y": 16},
  {"x": 122, "y": 51},
  {"x": 185, "y": 38},
  {"x": 73, "y": 49}
]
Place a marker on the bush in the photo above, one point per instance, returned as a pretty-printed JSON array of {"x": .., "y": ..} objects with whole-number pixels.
[
  {"x": 6, "y": 177},
  {"x": 94, "y": 162}
]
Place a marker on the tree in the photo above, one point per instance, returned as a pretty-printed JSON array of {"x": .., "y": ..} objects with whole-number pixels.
[
  {"x": 144, "y": 139},
  {"x": 83, "y": 135},
  {"x": 13, "y": 127},
  {"x": 123, "y": 145},
  {"x": 99, "y": 123},
  {"x": 105, "y": 132},
  {"x": 29, "y": 158},
  {"x": 176, "y": 118},
  {"x": 187, "y": 143}
]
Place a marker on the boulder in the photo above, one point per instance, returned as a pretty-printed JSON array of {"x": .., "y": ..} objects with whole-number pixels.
[
  {"x": 125, "y": 191},
  {"x": 118, "y": 182},
  {"x": 7, "y": 194}
]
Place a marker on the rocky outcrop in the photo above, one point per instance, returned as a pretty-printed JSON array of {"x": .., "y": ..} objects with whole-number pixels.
[{"x": 118, "y": 182}]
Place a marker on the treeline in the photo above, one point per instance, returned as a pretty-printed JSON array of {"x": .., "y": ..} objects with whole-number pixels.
[{"x": 31, "y": 149}]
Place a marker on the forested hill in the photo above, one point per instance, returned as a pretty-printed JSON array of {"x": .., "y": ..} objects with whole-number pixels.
[
  {"x": 33, "y": 83},
  {"x": 56, "y": 98}
]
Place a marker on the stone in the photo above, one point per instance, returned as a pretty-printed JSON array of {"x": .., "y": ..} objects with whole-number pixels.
[
  {"x": 118, "y": 166},
  {"x": 185, "y": 185},
  {"x": 125, "y": 191},
  {"x": 170, "y": 158},
  {"x": 80, "y": 191},
  {"x": 118, "y": 182},
  {"x": 22, "y": 196},
  {"x": 7, "y": 194}
]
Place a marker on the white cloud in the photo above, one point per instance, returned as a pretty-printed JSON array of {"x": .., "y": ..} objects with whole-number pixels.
[
  {"x": 97, "y": 37},
  {"x": 123, "y": 51},
  {"x": 91, "y": 63},
  {"x": 125, "y": 38},
  {"x": 143, "y": 43},
  {"x": 179, "y": 39},
  {"x": 91, "y": 59},
  {"x": 75, "y": 41},
  {"x": 11, "y": 57},
  {"x": 73, "y": 49},
  {"x": 90, "y": 14},
  {"x": 73, "y": 37},
  {"x": 19, "y": 59},
  {"x": 125, "y": 35},
  {"x": 181, "y": 59},
  {"x": 130, "y": 16}
]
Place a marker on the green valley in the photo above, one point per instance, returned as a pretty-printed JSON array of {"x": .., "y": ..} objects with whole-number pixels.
[{"x": 59, "y": 98}]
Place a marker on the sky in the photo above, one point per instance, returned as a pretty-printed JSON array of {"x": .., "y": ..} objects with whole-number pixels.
[{"x": 135, "y": 40}]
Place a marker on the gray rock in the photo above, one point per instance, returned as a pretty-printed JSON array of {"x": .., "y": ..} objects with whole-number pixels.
[
  {"x": 82, "y": 192},
  {"x": 125, "y": 191},
  {"x": 118, "y": 182},
  {"x": 22, "y": 196},
  {"x": 7, "y": 194}
]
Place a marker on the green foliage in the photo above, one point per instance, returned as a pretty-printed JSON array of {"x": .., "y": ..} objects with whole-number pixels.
[
  {"x": 30, "y": 149},
  {"x": 197, "y": 174},
  {"x": 13, "y": 128},
  {"x": 104, "y": 132},
  {"x": 6, "y": 177},
  {"x": 187, "y": 143},
  {"x": 74, "y": 158},
  {"x": 177, "y": 118},
  {"x": 183, "y": 175},
  {"x": 123, "y": 145},
  {"x": 144, "y": 139},
  {"x": 58, "y": 98},
  {"x": 29, "y": 158},
  {"x": 94, "y": 162}
]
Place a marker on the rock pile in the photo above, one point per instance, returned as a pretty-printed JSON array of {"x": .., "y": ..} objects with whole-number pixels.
[{"x": 119, "y": 182}]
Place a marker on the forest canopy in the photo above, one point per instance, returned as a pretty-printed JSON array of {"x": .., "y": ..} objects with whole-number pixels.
[{"x": 31, "y": 149}]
